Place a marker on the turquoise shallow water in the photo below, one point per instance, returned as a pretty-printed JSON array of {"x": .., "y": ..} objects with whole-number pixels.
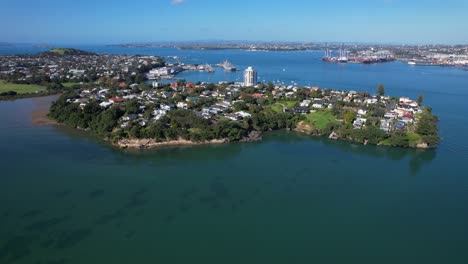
[{"x": 67, "y": 197}]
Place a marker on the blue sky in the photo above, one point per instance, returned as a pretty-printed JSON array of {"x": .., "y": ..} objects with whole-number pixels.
[{"x": 121, "y": 21}]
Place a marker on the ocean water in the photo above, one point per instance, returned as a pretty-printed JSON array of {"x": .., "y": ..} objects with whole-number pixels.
[{"x": 67, "y": 197}]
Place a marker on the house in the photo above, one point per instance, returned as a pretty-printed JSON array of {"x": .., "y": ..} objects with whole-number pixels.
[
  {"x": 116, "y": 100},
  {"x": 405, "y": 100},
  {"x": 371, "y": 101},
  {"x": 174, "y": 85},
  {"x": 129, "y": 117},
  {"x": 391, "y": 106},
  {"x": 76, "y": 72},
  {"x": 257, "y": 95},
  {"x": 167, "y": 107},
  {"x": 318, "y": 103},
  {"x": 216, "y": 110},
  {"x": 407, "y": 120},
  {"x": 233, "y": 117},
  {"x": 358, "y": 100},
  {"x": 359, "y": 123},
  {"x": 347, "y": 99},
  {"x": 224, "y": 104},
  {"x": 156, "y": 84},
  {"x": 158, "y": 113},
  {"x": 103, "y": 91},
  {"x": 207, "y": 93},
  {"x": 361, "y": 112},
  {"x": 385, "y": 125},
  {"x": 301, "y": 110},
  {"x": 105, "y": 104},
  {"x": 182, "y": 105},
  {"x": 130, "y": 96},
  {"x": 305, "y": 103},
  {"x": 391, "y": 115},
  {"x": 166, "y": 95},
  {"x": 400, "y": 125},
  {"x": 205, "y": 115},
  {"x": 243, "y": 114}
]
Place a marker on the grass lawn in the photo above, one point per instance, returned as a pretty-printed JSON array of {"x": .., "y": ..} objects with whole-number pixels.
[
  {"x": 20, "y": 88},
  {"x": 288, "y": 104},
  {"x": 58, "y": 51},
  {"x": 61, "y": 51},
  {"x": 69, "y": 84},
  {"x": 321, "y": 118},
  {"x": 278, "y": 107},
  {"x": 413, "y": 138}
]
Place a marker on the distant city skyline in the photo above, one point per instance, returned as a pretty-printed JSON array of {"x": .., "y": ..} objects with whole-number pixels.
[{"x": 115, "y": 22}]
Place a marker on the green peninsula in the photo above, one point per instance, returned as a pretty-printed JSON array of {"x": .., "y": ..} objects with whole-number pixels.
[{"x": 140, "y": 116}]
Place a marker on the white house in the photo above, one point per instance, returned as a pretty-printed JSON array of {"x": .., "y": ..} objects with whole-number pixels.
[
  {"x": 305, "y": 103},
  {"x": 361, "y": 112},
  {"x": 105, "y": 104},
  {"x": 182, "y": 105},
  {"x": 243, "y": 114},
  {"x": 371, "y": 101}
]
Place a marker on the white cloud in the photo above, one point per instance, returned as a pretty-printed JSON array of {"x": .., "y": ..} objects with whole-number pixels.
[{"x": 177, "y": 2}]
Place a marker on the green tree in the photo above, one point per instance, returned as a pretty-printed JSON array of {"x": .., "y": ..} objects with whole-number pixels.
[
  {"x": 427, "y": 128},
  {"x": 134, "y": 132},
  {"x": 132, "y": 107},
  {"x": 240, "y": 106},
  {"x": 181, "y": 82},
  {"x": 270, "y": 86},
  {"x": 420, "y": 98},
  {"x": 349, "y": 116},
  {"x": 381, "y": 90}
]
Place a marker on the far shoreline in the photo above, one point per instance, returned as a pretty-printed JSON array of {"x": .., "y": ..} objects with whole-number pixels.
[{"x": 27, "y": 96}]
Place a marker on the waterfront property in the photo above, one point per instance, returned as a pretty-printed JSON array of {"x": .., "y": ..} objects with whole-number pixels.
[{"x": 232, "y": 112}]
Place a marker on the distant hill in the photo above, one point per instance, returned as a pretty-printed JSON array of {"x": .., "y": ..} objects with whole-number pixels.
[{"x": 66, "y": 51}]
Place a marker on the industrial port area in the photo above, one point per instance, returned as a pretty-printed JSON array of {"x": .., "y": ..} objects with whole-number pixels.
[{"x": 415, "y": 55}]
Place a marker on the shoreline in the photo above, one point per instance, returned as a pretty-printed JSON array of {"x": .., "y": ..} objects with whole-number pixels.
[
  {"x": 26, "y": 96},
  {"x": 151, "y": 143},
  {"x": 310, "y": 131},
  {"x": 41, "y": 109},
  {"x": 39, "y": 118}
]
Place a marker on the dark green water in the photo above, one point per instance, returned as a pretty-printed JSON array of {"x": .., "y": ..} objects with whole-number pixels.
[{"x": 68, "y": 198}]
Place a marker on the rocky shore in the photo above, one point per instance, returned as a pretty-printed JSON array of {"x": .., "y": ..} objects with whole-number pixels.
[
  {"x": 304, "y": 128},
  {"x": 151, "y": 143}
]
